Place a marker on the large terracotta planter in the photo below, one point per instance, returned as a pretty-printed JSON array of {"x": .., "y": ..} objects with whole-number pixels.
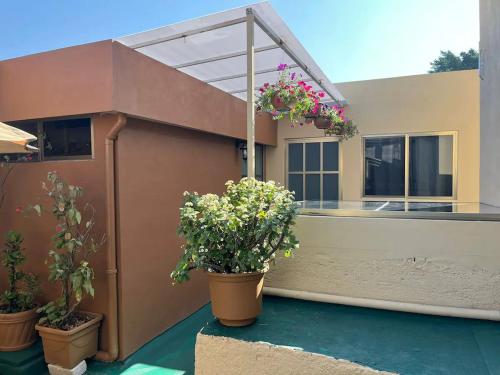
[
  {"x": 68, "y": 348},
  {"x": 236, "y": 298},
  {"x": 17, "y": 331}
]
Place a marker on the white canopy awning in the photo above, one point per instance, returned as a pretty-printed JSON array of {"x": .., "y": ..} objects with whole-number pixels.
[
  {"x": 213, "y": 49},
  {"x": 15, "y": 141}
]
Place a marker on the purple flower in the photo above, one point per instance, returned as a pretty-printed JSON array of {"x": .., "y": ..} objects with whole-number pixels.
[
  {"x": 293, "y": 76},
  {"x": 281, "y": 67}
]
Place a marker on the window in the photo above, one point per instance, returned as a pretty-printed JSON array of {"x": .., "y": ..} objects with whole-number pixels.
[
  {"x": 62, "y": 139},
  {"x": 313, "y": 169},
  {"x": 66, "y": 138},
  {"x": 410, "y": 166},
  {"x": 259, "y": 162}
]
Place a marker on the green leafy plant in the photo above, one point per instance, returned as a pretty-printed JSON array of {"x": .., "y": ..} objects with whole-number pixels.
[
  {"x": 22, "y": 287},
  {"x": 239, "y": 231},
  {"x": 73, "y": 244}
]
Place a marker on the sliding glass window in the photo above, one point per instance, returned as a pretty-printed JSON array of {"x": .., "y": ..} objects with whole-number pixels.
[
  {"x": 313, "y": 169},
  {"x": 410, "y": 166}
]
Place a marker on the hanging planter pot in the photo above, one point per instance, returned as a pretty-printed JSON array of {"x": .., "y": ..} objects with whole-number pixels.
[
  {"x": 321, "y": 122},
  {"x": 310, "y": 117},
  {"x": 280, "y": 106}
]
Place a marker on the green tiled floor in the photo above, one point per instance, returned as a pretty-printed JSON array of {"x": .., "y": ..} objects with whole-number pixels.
[{"x": 410, "y": 344}]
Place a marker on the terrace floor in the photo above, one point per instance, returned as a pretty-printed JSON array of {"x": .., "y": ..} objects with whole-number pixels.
[{"x": 383, "y": 340}]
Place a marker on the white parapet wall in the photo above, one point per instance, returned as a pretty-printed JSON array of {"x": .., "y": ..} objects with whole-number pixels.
[
  {"x": 445, "y": 267},
  {"x": 228, "y": 356}
]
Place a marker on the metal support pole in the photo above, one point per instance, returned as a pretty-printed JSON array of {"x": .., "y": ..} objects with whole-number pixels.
[{"x": 250, "y": 95}]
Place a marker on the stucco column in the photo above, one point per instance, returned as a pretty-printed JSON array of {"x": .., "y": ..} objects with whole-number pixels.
[{"x": 489, "y": 11}]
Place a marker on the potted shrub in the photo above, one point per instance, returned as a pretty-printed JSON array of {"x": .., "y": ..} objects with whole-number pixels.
[
  {"x": 289, "y": 95},
  {"x": 68, "y": 334},
  {"x": 234, "y": 238},
  {"x": 17, "y": 304}
]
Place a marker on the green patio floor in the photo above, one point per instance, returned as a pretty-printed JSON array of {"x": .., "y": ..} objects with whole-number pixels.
[{"x": 410, "y": 344}]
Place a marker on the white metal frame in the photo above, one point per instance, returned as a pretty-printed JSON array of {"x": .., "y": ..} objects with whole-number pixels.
[{"x": 256, "y": 14}]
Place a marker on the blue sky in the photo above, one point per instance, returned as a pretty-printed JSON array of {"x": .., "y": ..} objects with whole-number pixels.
[{"x": 350, "y": 39}]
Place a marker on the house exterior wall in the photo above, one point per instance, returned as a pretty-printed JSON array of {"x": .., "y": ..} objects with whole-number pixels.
[
  {"x": 108, "y": 76},
  {"x": 24, "y": 188},
  {"x": 413, "y": 104},
  {"x": 155, "y": 165},
  {"x": 429, "y": 262},
  {"x": 489, "y": 11}
]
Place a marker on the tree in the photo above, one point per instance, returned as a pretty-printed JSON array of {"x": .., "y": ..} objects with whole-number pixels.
[{"x": 448, "y": 61}]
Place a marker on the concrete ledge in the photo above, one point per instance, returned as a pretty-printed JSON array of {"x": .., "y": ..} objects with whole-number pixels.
[{"x": 227, "y": 356}]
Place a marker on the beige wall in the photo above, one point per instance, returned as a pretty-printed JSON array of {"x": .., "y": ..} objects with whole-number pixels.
[
  {"x": 227, "y": 356},
  {"x": 401, "y": 260},
  {"x": 422, "y": 103},
  {"x": 490, "y": 97}
]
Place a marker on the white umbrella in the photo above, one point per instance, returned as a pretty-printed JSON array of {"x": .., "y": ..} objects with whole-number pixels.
[{"x": 15, "y": 141}]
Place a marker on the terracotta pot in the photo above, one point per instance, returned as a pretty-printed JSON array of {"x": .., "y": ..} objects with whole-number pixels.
[
  {"x": 68, "y": 348},
  {"x": 17, "y": 330},
  {"x": 236, "y": 298},
  {"x": 280, "y": 106},
  {"x": 322, "y": 122}
]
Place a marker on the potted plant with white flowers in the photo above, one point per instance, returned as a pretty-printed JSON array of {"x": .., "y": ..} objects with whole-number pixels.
[{"x": 234, "y": 238}]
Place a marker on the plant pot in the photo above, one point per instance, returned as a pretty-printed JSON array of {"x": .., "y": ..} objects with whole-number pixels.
[
  {"x": 280, "y": 106},
  {"x": 68, "y": 348},
  {"x": 17, "y": 330},
  {"x": 236, "y": 298},
  {"x": 322, "y": 122}
]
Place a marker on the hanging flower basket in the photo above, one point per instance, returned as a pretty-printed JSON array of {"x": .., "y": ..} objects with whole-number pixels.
[
  {"x": 322, "y": 122},
  {"x": 290, "y": 95},
  {"x": 280, "y": 106}
]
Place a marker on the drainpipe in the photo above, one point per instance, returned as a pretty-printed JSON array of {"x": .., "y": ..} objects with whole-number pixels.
[{"x": 111, "y": 263}]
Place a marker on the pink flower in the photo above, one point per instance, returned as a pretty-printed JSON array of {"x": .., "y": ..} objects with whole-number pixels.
[
  {"x": 321, "y": 94},
  {"x": 19, "y": 210},
  {"x": 266, "y": 85},
  {"x": 307, "y": 88},
  {"x": 58, "y": 228}
]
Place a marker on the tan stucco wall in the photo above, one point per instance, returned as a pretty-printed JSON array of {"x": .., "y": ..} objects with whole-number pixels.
[
  {"x": 489, "y": 11},
  {"x": 227, "y": 356},
  {"x": 422, "y": 103},
  {"x": 24, "y": 188},
  {"x": 155, "y": 165},
  {"x": 432, "y": 262}
]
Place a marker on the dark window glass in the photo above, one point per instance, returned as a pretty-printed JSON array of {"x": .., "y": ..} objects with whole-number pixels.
[
  {"x": 431, "y": 166},
  {"x": 313, "y": 187},
  {"x": 385, "y": 166},
  {"x": 312, "y": 157},
  {"x": 66, "y": 138},
  {"x": 330, "y": 187},
  {"x": 295, "y": 183},
  {"x": 295, "y": 157},
  {"x": 331, "y": 156},
  {"x": 31, "y": 128},
  {"x": 259, "y": 163}
]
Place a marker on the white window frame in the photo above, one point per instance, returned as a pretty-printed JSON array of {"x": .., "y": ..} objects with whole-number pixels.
[
  {"x": 321, "y": 172},
  {"x": 407, "y": 196}
]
